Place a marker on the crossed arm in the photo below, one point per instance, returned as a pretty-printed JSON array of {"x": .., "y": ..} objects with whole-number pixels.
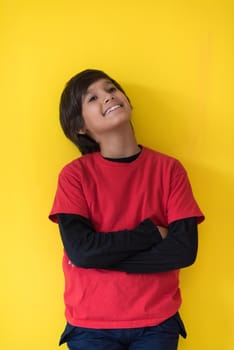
[{"x": 146, "y": 249}]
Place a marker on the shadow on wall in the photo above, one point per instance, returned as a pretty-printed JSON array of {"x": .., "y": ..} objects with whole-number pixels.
[{"x": 208, "y": 285}]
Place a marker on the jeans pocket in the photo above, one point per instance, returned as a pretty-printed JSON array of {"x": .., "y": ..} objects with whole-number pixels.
[
  {"x": 173, "y": 325},
  {"x": 181, "y": 325},
  {"x": 67, "y": 334}
]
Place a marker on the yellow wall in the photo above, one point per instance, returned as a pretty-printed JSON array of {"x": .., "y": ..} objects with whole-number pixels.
[{"x": 175, "y": 60}]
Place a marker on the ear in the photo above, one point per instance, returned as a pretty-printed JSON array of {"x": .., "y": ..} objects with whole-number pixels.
[{"x": 81, "y": 132}]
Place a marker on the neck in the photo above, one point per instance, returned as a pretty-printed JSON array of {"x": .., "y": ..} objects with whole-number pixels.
[{"x": 119, "y": 144}]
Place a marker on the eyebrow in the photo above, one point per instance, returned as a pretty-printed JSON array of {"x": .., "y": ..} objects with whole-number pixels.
[{"x": 90, "y": 91}]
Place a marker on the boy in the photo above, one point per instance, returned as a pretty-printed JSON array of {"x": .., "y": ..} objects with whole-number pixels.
[{"x": 128, "y": 223}]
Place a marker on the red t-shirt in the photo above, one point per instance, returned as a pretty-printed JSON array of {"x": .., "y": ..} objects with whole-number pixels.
[{"x": 117, "y": 196}]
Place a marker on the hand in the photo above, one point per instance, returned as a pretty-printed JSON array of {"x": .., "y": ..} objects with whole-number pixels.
[{"x": 163, "y": 231}]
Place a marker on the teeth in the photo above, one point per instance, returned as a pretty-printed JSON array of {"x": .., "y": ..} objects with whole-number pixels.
[{"x": 112, "y": 109}]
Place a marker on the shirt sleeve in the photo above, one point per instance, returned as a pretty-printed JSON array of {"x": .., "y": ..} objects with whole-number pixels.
[
  {"x": 90, "y": 249},
  {"x": 138, "y": 251},
  {"x": 69, "y": 197},
  {"x": 177, "y": 250},
  {"x": 181, "y": 203}
]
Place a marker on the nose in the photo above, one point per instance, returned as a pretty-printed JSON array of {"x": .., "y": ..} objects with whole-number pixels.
[{"x": 108, "y": 98}]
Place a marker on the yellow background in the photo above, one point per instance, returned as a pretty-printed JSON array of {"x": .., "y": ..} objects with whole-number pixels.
[{"x": 175, "y": 60}]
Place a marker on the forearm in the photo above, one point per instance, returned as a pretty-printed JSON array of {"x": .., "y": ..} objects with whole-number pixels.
[
  {"x": 177, "y": 250},
  {"x": 90, "y": 249}
]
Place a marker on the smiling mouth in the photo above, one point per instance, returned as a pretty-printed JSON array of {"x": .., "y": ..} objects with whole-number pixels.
[{"x": 111, "y": 109}]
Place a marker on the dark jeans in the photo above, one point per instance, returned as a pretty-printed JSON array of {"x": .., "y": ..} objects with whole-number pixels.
[{"x": 161, "y": 337}]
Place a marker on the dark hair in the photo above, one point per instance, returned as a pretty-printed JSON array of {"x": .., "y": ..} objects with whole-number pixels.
[{"x": 70, "y": 108}]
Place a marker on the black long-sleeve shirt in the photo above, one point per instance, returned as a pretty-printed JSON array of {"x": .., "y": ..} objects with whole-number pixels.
[{"x": 141, "y": 250}]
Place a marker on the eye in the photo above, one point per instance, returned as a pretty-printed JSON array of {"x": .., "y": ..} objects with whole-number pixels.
[
  {"x": 112, "y": 89},
  {"x": 92, "y": 98}
]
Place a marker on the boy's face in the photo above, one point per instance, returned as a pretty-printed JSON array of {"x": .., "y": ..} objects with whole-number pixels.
[{"x": 104, "y": 108}]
